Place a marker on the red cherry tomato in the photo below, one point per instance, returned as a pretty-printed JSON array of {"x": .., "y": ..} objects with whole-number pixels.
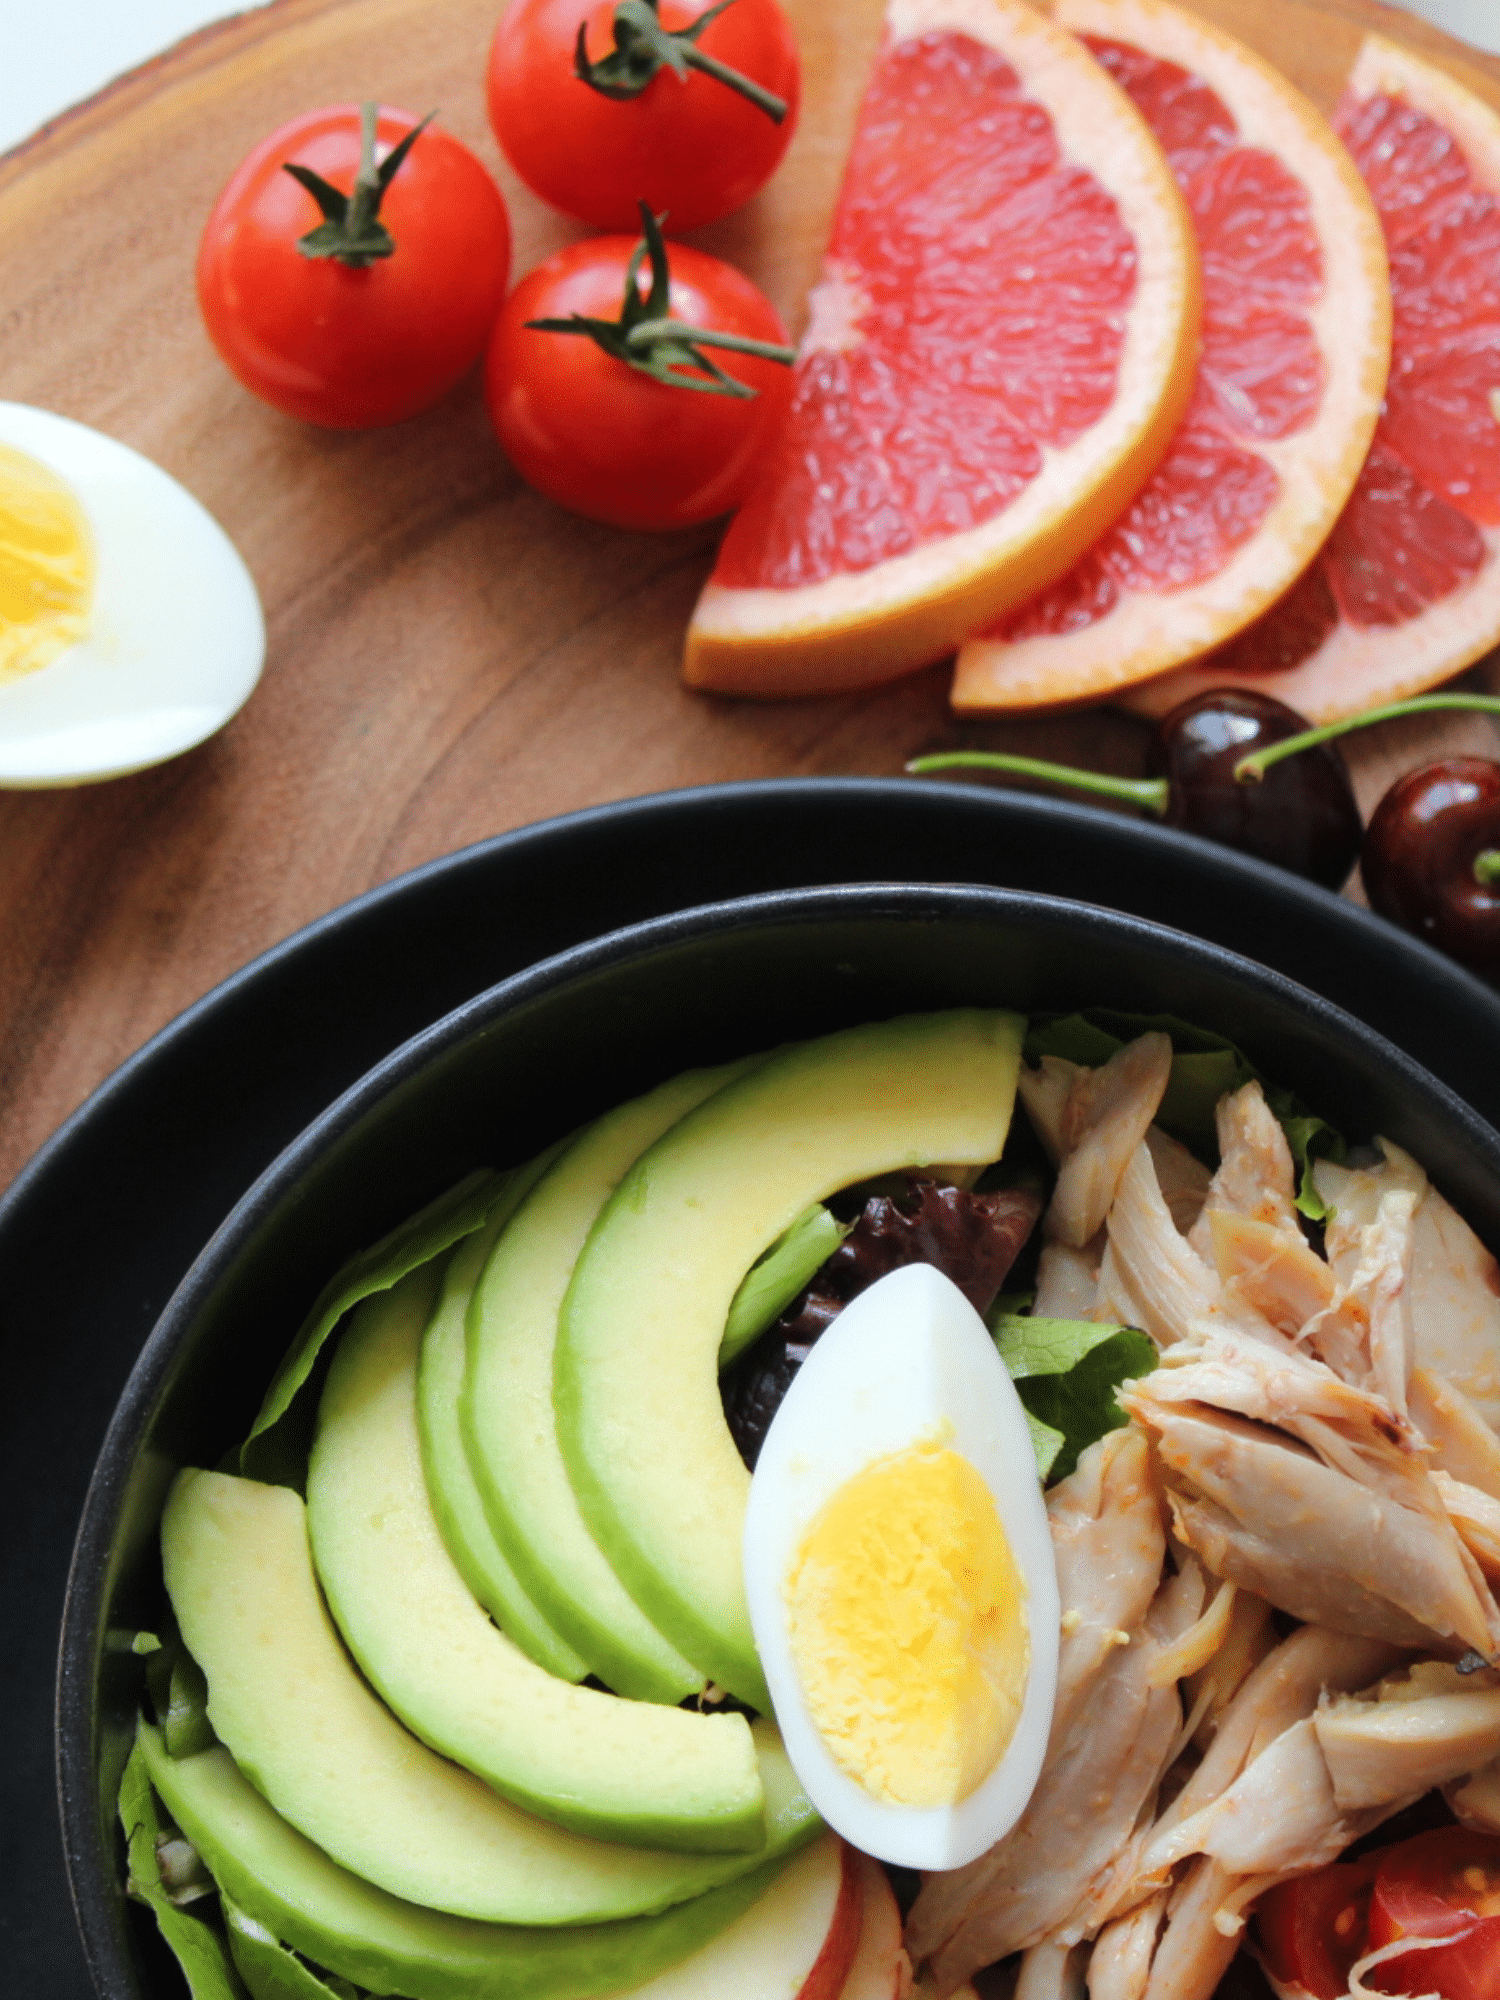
[
  {"x": 1444, "y": 1884},
  {"x": 354, "y": 347},
  {"x": 1312, "y": 1929},
  {"x": 691, "y": 147},
  {"x": 601, "y": 437}
]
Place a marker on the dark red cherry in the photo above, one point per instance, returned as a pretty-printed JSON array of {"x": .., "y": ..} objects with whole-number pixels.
[
  {"x": 1431, "y": 859},
  {"x": 1302, "y": 815}
]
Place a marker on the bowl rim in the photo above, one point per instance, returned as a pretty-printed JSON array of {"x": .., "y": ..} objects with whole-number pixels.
[{"x": 92, "y": 1873}]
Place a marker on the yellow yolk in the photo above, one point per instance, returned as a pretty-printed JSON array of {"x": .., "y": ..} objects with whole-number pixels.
[
  {"x": 908, "y": 1628},
  {"x": 46, "y": 566}
]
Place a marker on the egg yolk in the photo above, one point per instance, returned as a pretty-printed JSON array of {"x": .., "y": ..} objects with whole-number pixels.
[
  {"x": 908, "y": 1628},
  {"x": 46, "y": 566}
]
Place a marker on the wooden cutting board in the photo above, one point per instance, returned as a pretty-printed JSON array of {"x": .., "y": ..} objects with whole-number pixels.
[{"x": 450, "y": 655}]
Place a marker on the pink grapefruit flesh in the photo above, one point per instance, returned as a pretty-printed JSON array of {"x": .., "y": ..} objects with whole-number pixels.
[
  {"x": 1407, "y": 589},
  {"x": 1296, "y": 344},
  {"x": 995, "y": 361}
]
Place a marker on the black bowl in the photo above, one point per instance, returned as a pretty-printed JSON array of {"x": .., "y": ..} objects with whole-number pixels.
[{"x": 535, "y": 1055}]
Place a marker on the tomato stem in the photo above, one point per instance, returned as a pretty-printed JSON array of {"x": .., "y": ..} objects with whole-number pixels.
[
  {"x": 647, "y": 338},
  {"x": 351, "y": 231},
  {"x": 1487, "y": 867},
  {"x": 1251, "y": 769},
  {"x": 1151, "y": 793},
  {"x": 643, "y": 46}
]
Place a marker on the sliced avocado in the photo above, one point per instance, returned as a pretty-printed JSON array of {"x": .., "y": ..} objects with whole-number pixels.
[
  {"x": 620, "y": 1770},
  {"x": 636, "y": 1391},
  {"x": 309, "y": 1733},
  {"x": 361, "y": 1933},
  {"x": 506, "y": 1408},
  {"x": 455, "y": 1497}
]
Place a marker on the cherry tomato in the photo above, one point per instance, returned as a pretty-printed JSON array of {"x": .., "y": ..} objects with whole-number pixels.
[
  {"x": 690, "y": 146},
  {"x": 1444, "y": 1884},
  {"x": 354, "y": 346},
  {"x": 601, "y": 437},
  {"x": 1312, "y": 1929}
]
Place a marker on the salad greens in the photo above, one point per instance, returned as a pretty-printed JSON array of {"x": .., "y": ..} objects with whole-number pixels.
[
  {"x": 197, "y": 1945},
  {"x": 1066, "y": 1372},
  {"x": 775, "y": 1278}
]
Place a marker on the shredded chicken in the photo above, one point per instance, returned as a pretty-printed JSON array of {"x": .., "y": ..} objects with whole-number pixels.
[{"x": 1321, "y": 1438}]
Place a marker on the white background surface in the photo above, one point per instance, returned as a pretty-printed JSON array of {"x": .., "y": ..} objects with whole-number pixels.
[{"x": 54, "y": 52}]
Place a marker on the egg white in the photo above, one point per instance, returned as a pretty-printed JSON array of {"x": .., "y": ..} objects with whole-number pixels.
[
  {"x": 908, "y": 1362},
  {"x": 176, "y": 638}
]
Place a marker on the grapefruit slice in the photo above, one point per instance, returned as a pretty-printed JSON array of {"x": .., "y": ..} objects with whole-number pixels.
[
  {"x": 1407, "y": 589},
  {"x": 1296, "y": 344},
  {"x": 997, "y": 356}
]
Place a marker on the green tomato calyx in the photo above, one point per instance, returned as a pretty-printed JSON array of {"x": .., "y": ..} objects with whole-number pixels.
[
  {"x": 643, "y": 46},
  {"x": 645, "y": 336},
  {"x": 351, "y": 231}
]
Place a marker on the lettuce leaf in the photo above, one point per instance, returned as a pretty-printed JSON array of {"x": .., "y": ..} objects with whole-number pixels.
[
  {"x": 1066, "y": 1372},
  {"x": 197, "y": 1944},
  {"x": 776, "y": 1277}
]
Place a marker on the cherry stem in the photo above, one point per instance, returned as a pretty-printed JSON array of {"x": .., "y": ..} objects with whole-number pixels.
[
  {"x": 1252, "y": 768},
  {"x": 1151, "y": 793},
  {"x": 643, "y": 46},
  {"x": 351, "y": 231},
  {"x": 1487, "y": 867}
]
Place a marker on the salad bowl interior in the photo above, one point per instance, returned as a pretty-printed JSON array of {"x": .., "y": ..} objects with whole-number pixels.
[{"x": 530, "y": 1060}]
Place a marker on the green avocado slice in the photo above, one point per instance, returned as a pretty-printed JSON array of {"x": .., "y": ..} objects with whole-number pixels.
[
  {"x": 455, "y": 1498},
  {"x": 636, "y": 1391},
  {"x": 619, "y": 1770},
  {"x": 362, "y": 1933},
  {"x": 309, "y": 1733},
  {"x": 506, "y": 1409},
  {"x": 269, "y": 1970}
]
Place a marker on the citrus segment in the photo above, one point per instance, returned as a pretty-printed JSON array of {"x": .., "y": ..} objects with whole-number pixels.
[
  {"x": 1296, "y": 342},
  {"x": 994, "y": 362},
  {"x": 1407, "y": 589}
]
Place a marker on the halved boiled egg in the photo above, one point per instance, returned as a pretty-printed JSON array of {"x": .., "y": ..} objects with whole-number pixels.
[
  {"x": 901, "y": 1580},
  {"x": 130, "y": 628}
]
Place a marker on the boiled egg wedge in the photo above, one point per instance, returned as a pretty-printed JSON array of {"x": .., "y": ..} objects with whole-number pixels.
[
  {"x": 901, "y": 1581},
  {"x": 130, "y": 628}
]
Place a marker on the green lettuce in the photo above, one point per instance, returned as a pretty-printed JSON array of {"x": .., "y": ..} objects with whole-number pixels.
[
  {"x": 196, "y": 1943},
  {"x": 1066, "y": 1372},
  {"x": 776, "y": 1277}
]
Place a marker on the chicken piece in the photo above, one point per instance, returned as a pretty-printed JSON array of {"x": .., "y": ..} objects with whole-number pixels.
[
  {"x": 1463, "y": 1444},
  {"x": 1254, "y": 1177},
  {"x": 1366, "y": 1333},
  {"x": 1095, "y": 1129},
  {"x": 1268, "y": 1270},
  {"x": 1052, "y": 1972},
  {"x": 1109, "y": 1548},
  {"x": 1476, "y": 1517},
  {"x": 1121, "y": 1961},
  {"x": 1285, "y": 1688},
  {"x": 1150, "y": 1276},
  {"x": 1057, "y": 1875},
  {"x": 1045, "y": 1091},
  {"x": 1201, "y": 1641},
  {"x": 1195, "y": 1949},
  {"x": 1209, "y": 1693},
  {"x": 1455, "y": 1306},
  {"x": 1182, "y": 1177},
  {"x": 1260, "y": 1508},
  {"x": 1067, "y": 1280},
  {"x": 1418, "y": 1730},
  {"x": 1454, "y": 1287}
]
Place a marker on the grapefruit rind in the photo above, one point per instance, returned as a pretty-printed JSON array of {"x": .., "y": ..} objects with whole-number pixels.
[
  {"x": 862, "y": 627},
  {"x": 1356, "y": 668},
  {"x": 1149, "y": 632}
]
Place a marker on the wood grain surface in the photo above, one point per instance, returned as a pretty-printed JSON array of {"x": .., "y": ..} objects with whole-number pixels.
[{"x": 450, "y": 656}]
